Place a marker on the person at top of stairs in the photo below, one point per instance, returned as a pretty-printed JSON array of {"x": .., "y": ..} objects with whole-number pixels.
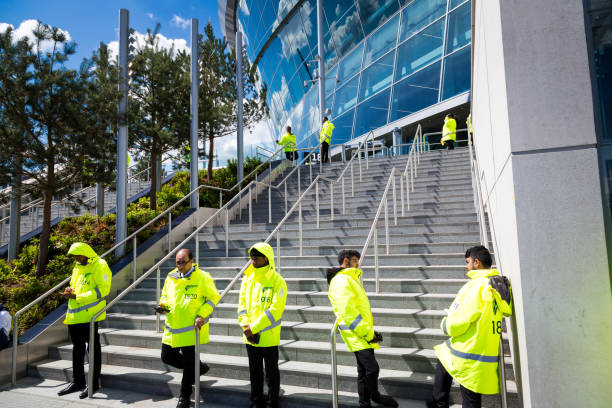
[
  {"x": 89, "y": 285},
  {"x": 474, "y": 325},
  {"x": 263, "y": 294},
  {"x": 188, "y": 298},
  {"x": 356, "y": 324},
  {"x": 449, "y": 132},
  {"x": 289, "y": 145}
]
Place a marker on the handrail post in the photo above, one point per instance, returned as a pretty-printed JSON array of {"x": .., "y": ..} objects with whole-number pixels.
[
  {"x": 367, "y": 153},
  {"x": 331, "y": 186},
  {"x": 300, "y": 226},
  {"x": 343, "y": 198},
  {"x": 407, "y": 193},
  {"x": 134, "y": 257},
  {"x": 250, "y": 210},
  {"x": 170, "y": 231},
  {"x": 220, "y": 199},
  {"x": 278, "y": 252},
  {"x": 226, "y": 233},
  {"x": 412, "y": 173},
  {"x": 387, "y": 224},
  {"x": 394, "y": 198},
  {"x": 321, "y": 158},
  {"x": 359, "y": 155},
  {"x": 299, "y": 183},
  {"x": 401, "y": 177},
  {"x": 158, "y": 294},
  {"x": 92, "y": 356},
  {"x": 256, "y": 191},
  {"x": 376, "y": 271},
  {"x": 286, "y": 198},
  {"x": 15, "y": 345},
  {"x": 197, "y": 367},
  {"x": 317, "y": 201},
  {"x": 352, "y": 180},
  {"x": 310, "y": 170},
  {"x": 270, "y": 200},
  {"x": 334, "y": 366}
]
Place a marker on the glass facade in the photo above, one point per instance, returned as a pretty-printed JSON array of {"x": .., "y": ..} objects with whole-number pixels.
[{"x": 385, "y": 59}]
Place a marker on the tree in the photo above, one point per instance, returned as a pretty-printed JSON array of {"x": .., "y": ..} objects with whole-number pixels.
[
  {"x": 218, "y": 94},
  {"x": 159, "y": 102},
  {"x": 58, "y": 145}
]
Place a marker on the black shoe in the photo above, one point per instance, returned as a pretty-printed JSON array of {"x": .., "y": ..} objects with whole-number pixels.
[
  {"x": 385, "y": 400},
  {"x": 184, "y": 401},
  {"x": 85, "y": 392},
  {"x": 72, "y": 387},
  {"x": 204, "y": 368}
]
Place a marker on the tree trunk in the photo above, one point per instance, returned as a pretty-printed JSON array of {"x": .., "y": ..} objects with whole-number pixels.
[
  {"x": 43, "y": 249},
  {"x": 211, "y": 149},
  {"x": 153, "y": 196}
]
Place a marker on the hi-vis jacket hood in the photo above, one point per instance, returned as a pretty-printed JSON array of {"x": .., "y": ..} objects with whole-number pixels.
[
  {"x": 91, "y": 283},
  {"x": 263, "y": 294},
  {"x": 474, "y": 325},
  {"x": 351, "y": 307},
  {"x": 81, "y": 248}
]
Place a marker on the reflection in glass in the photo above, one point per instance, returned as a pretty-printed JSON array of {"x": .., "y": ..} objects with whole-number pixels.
[
  {"x": 330, "y": 51},
  {"x": 419, "y": 14},
  {"x": 347, "y": 31},
  {"x": 350, "y": 65},
  {"x": 334, "y": 9},
  {"x": 372, "y": 113},
  {"x": 284, "y": 7},
  {"x": 459, "y": 30},
  {"x": 420, "y": 50},
  {"x": 454, "y": 3},
  {"x": 381, "y": 41},
  {"x": 457, "y": 71},
  {"x": 330, "y": 80},
  {"x": 377, "y": 77},
  {"x": 346, "y": 96},
  {"x": 416, "y": 92},
  {"x": 329, "y": 102},
  {"x": 308, "y": 11},
  {"x": 374, "y": 13},
  {"x": 343, "y": 127}
]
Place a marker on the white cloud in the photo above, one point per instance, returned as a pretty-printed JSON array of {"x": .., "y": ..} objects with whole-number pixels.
[
  {"x": 296, "y": 35},
  {"x": 180, "y": 22},
  {"x": 179, "y": 44},
  {"x": 26, "y": 29},
  {"x": 258, "y": 135},
  {"x": 151, "y": 16}
]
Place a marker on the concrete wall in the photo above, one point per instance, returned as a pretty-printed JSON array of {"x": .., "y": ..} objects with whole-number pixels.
[{"x": 535, "y": 140}]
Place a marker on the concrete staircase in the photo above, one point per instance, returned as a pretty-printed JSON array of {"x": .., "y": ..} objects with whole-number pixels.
[{"x": 419, "y": 278}]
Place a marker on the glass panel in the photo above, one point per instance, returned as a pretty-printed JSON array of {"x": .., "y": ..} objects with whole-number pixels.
[
  {"x": 459, "y": 30},
  {"x": 456, "y": 73},
  {"x": 350, "y": 65},
  {"x": 419, "y": 14},
  {"x": 330, "y": 80},
  {"x": 308, "y": 11},
  {"x": 329, "y": 102},
  {"x": 346, "y": 97},
  {"x": 455, "y": 3},
  {"x": 416, "y": 92},
  {"x": 420, "y": 50},
  {"x": 376, "y": 77},
  {"x": 381, "y": 41},
  {"x": 343, "y": 127},
  {"x": 284, "y": 7},
  {"x": 347, "y": 32},
  {"x": 270, "y": 59},
  {"x": 372, "y": 113},
  {"x": 296, "y": 89},
  {"x": 330, "y": 51},
  {"x": 334, "y": 9},
  {"x": 374, "y": 13}
]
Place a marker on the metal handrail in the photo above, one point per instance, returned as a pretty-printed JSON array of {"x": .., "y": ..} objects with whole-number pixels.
[
  {"x": 484, "y": 241},
  {"x": 413, "y": 159},
  {"x": 133, "y": 237}
]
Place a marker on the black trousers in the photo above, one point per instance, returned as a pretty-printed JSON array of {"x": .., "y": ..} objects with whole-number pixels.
[
  {"x": 441, "y": 391},
  {"x": 182, "y": 358},
  {"x": 325, "y": 152},
  {"x": 367, "y": 376},
  {"x": 450, "y": 145},
  {"x": 258, "y": 356},
  {"x": 79, "y": 334},
  {"x": 291, "y": 155}
]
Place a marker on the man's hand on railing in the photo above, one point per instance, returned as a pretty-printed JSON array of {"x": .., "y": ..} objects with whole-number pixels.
[
  {"x": 199, "y": 322},
  {"x": 69, "y": 293}
]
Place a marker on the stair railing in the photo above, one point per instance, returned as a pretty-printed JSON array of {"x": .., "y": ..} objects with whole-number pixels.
[
  {"x": 132, "y": 237},
  {"x": 411, "y": 163},
  {"x": 484, "y": 241}
]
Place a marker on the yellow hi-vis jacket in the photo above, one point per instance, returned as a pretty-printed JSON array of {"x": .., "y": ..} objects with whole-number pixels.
[
  {"x": 263, "y": 295},
  {"x": 468, "y": 122},
  {"x": 474, "y": 323},
  {"x": 326, "y": 132},
  {"x": 91, "y": 283},
  {"x": 449, "y": 130},
  {"x": 352, "y": 308},
  {"x": 189, "y": 296},
  {"x": 288, "y": 141}
]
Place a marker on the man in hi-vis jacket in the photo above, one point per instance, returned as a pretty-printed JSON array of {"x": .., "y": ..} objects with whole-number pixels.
[{"x": 263, "y": 294}]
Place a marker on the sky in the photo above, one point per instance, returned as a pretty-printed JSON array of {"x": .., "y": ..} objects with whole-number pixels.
[{"x": 89, "y": 22}]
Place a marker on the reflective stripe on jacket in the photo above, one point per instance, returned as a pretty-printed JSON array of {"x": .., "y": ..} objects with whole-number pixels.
[
  {"x": 352, "y": 308},
  {"x": 449, "y": 130},
  {"x": 263, "y": 295},
  {"x": 187, "y": 297},
  {"x": 326, "y": 132},
  {"x": 474, "y": 321},
  {"x": 91, "y": 283},
  {"x": 288, "y": 141}
]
